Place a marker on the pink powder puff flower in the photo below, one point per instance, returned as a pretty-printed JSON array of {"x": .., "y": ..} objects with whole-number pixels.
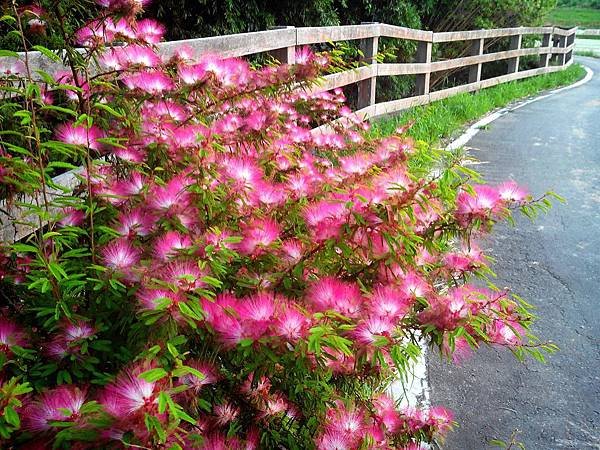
[
  {"x": 57, "y": 348},
  {"x": 413, "y": 285},
  {"x": 325, "y": 210},
  {"x": 192, "y": 74},
  {"x": 185, "y": 274},
  {"x": 292, "y": 251},
  {"x": 137, "y": 222},
  {"x": 225, "y": 413},
  {"x": 511, "y": 192},
  {"x": 244, "y": 171},
  {"x": 257, "y": 235},
  {"x": 334, "y": 440},
  {"x": 445, "y": 312},
  {"x": 152, "y": 82},
  {"x": 69, "y": 133},
  {"x": 506, "y": 332},
  {"x": 259, "y": 307},
  {"x": 62, "y": 404},
  {"x": 167, "y": 110},
  {"x": 10, "y": 334},
  {"x": 229, "y": 330},
  {"x": 137, "y": 55},
  {"x": 389, "y": 302},
  {"x": 481, "y": 204},
  {"x": 441, "y": 419},
  {"x": 129, "y": 394},
  {"x": 170, "y": 244},
  {"x": 120, "y": 255},
  {"x": 189, "y": 136},
  {"x": 304, "y": 55},
  {"x": 71, "y": 217},
  {"x": 160, "y": 300},
  {"x": 350, "y": 421},
  {"x": 372, "y": 331},
  {"x": 149, "y": 31},
  {"x": 173, "y": 194},
  {"x": 130, "y": 154},
  {"x": 414, "y": 418},
  {"x": 356, "y": 164},
  {"x": 394, "y": 182},
  {"x": 332, "y": 294},
  {"x": 77, "y": 331},
  {"x": 291, "y": 324},
  {"x": 210, "y": 372},
  {"x": 267, "y": 194}
]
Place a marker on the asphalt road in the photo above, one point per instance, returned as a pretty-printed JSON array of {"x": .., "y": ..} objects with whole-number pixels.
[{"x": 554, "y": 263}]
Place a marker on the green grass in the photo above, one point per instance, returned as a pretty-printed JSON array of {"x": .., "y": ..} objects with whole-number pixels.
[
  {"x": 583, "y": 37},
  {"x": 588, "y": 53},
  {"x": 438, "y": 121},
  {"x": 571, "y": 17}
]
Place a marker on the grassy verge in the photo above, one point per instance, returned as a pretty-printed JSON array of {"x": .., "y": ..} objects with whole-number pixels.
[
  {"x": 437, "y": 122},
  {"x": 571, "y": 17},
  {"x": 588, "y": 53},
  {"x": 588, "y": 37}
]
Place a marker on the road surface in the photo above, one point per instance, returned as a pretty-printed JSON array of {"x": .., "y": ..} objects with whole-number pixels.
[{"x": 555, "y": 264}]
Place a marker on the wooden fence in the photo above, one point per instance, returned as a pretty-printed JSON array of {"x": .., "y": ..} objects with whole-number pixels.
[
  {"x": 555, "y": 45},
  {"x": 555, "y": 52}
]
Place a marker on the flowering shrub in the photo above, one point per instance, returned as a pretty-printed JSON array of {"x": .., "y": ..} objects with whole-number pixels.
[{"x": 221, "y": 276}]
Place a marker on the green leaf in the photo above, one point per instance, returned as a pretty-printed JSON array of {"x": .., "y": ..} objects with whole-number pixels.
[
  {"x": 12, "y": 417},
  {"x": 47, "y": 53},
  {"x": 153, "y": 375},
  {"x": 8, "y": 53}
]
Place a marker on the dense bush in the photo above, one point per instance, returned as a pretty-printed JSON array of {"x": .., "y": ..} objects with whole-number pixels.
[{"x": 221, "y": 276}]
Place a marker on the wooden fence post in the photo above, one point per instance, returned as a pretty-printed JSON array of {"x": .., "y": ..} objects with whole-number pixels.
[
  {"x": 515, "y": 44},
  {"x": 285, "y": 55},
  {"x": 476, "y": 50},
  {"x": 423, "y": 56},
  {"x": 367, "y": 89},
  {"x": 569, "y": 41},
  {"x": 545, "y": 57}
]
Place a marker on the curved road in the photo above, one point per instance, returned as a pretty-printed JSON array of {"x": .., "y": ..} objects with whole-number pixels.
[{"x": 553, "y": 263}]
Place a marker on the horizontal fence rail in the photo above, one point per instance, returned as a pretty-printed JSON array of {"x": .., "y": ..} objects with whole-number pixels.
[{"x": 555, "y": 51}]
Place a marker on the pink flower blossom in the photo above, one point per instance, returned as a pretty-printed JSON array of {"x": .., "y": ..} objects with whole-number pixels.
[
  {"x": 151, "y": 82},
  {"x": 170, "y": 244},
  {"x": 257, "y": 235},
  {"x": 210, "y": 372},
  {"x": 371, "y": 330},
  {"x": 390, "y": 302},
  {"x": 291, "y": 324},
  {"x": 10, "y": 334},
  {"x": 129, "y": 394},
  {"x": 149, "y": 31},
  {"x": 62, "y": 404},
  {"x": 225, "y": 413},
  {"x": 77, "y": 331},
  {"x": 332, "y": 294},
  {"x": 137, "y": 222},
  {"x": 73, "y": 134},
  {"x": 184, "y": 274},
  {"x": 512, "y": 192},
  {"x": 120, "y": 255},
  {"x": 71, "y": 217}
]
